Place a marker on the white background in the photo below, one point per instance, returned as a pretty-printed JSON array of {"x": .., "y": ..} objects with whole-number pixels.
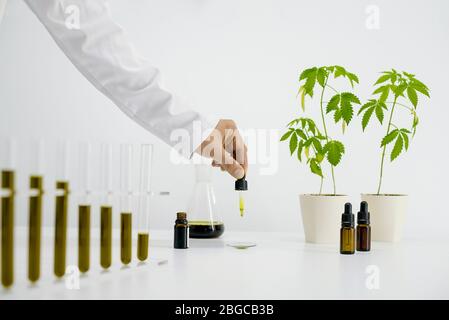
[{"x": 241, "y": 60}]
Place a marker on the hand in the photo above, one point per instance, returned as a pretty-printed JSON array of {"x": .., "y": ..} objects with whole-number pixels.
[{"x": 227, "y": 149}]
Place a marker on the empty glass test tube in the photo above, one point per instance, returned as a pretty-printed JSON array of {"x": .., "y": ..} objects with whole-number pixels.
[
  {"x": 35, "y": 202},
  {"x": 61, "y": 208},
  {"x": 84, "y": 207},
  {"x": 106, "y": 205},
  {"x": 126, "y": 198},
  {"x": 145, "y": 194}
]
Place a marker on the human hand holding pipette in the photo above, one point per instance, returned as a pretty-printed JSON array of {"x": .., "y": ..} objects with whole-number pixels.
[{"x": 226, "y": 148}]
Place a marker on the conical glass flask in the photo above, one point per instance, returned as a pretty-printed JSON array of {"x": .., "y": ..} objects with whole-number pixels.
[{"x": 204, "y": 220}]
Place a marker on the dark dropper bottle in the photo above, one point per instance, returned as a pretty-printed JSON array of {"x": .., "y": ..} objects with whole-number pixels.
[
  {"x": 181, "y": 237},
  {"x": 347, "y": 232},
  {"x": 363, "y": 228}
]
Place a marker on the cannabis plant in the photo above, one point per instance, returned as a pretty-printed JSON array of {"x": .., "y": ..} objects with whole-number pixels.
[
  {"x": 311, "y": 141},
  {"x": 394, "y": 90}
]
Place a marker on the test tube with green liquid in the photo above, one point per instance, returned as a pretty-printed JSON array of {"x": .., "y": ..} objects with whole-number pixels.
[
  {"x": 126, "y": 198},
  {"x": 35, "y": 203},
  {"x": 84, "y": 207},
  {"x": 7, "y": 178},
  {"x": 146, "y": 153},
  {"x": 61, "y": 209},
  {"x": 106, "y": 206}
]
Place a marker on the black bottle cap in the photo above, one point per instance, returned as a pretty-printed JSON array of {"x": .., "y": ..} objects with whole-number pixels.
[
  {"x": 347, "y": 218},
  {"x": 363, "y": 215},
  {"x": 241, "y": 184}
]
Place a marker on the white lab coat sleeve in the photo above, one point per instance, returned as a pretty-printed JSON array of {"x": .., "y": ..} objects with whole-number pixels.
[
  {"x": 2, "y": 9},
  {"x": 101, "y": 51}
]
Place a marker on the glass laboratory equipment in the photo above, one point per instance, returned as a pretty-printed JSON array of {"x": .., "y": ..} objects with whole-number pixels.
[
  {"x": 84, "y": 207},
  {"x": 145, "y": 194},
  {"x": 126, "y": 197},
  {"x": 61, "y": 208},
  {"x": 204, "y": 219},
  {"x": 36, "y": 185},
  {"x": 106, "y": 205},
  {"x": 7, "y": 214}
]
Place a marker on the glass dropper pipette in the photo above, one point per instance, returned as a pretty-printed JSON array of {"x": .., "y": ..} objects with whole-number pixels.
[{"x": 145, "y": 194}]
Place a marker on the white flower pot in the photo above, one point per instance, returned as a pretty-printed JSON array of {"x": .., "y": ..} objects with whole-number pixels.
[
  {"x": 321, "y": 217},
  {"x": 387, "y": 216}
]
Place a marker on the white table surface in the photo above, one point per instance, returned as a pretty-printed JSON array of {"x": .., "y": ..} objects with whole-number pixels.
[{"x": 281, "y": 266}]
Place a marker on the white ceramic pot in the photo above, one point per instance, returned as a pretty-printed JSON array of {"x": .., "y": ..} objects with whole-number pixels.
[
  {"x": 387, "y": 216},
  {"x": 321, "y": 217}
]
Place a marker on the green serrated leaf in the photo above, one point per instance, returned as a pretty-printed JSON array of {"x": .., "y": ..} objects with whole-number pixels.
[
  {"x": 316, "y": 168},
  {"x": 352, "y": 78},
  {"x": 333, "y": 103},
  {"x": 399, "y": 90},
  {"x": 307, "y": 151},
  {"x": 339, "y": 71},
  {"x": 286, "y": 135},
  {"x": 389, "y": 137},
  {"x": 406, "y": 139},
  {"x": 383, "y": 78},
  {"x": 334, "y": 150},
  {"x": 381, "y": 89},
  {"x": 397, "y": 149},
  {"x": 307, "y": 73},
  {"x": 412, "y": 96},
  {"x": 380, "y": 113},
  {"x": 348, "y": 97},
  {"x": 317, "y": 144},
  {"x": 301, "y": 134},
  {"x": 367, "y": 116},
  {"x": 300, "y": 148},
  {"x": 321, "y": 76},
  {"x": 420, "y": 88},
  {"x": 347, "y": 112},
  {"x": 293, "y": 143},
  {"x": 370, "y": 103}
]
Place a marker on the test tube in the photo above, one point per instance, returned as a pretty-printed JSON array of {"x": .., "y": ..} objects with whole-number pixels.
[
  {"x": 126, "y": 158},
  {"x": 84, "y": 208},
  {"x": 106, "y": 206},
  {"x": 7, "y": 215},
  {"x": 35, "y": 201},
  {"x": 61, "y": 208},
  {"x": 144, "y": 201}
]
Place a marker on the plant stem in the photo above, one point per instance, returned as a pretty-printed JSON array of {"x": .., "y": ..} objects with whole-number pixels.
[
  {"x": 385, "y": 147},
  {"x": 321, "y": 186},
  {"x": 325, "y": 128}
]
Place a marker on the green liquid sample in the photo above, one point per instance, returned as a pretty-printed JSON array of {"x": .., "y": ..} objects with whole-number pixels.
[
  {"x": 142, "y": 246},
  {"x": 205, "y": 229},
  {"x": 7, "y": 221},
  {"x": 106, "y": 237},
  {"x": 61, "y": 228},
  {"x": 84, "y": 238},
  {"x": 125, "y": 237},
  {"x": 35, "y": 227}
]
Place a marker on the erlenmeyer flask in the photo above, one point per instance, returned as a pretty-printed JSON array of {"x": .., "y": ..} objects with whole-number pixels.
[{"x": 204, "y": 220}]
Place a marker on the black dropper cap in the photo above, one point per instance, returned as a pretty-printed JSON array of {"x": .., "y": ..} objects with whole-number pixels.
[
  {"x": 347, "y": 218},
  {"x": 241, "y": 184},
  {"x": 363, "y": 215}
]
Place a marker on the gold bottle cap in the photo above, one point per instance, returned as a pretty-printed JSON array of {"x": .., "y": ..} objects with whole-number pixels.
[{"x": 181, "y": 216}]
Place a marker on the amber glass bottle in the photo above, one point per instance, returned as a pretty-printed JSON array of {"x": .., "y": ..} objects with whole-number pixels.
[
  {"x": 363, "y": 228},
  {"x": 347, "y": 232}
]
